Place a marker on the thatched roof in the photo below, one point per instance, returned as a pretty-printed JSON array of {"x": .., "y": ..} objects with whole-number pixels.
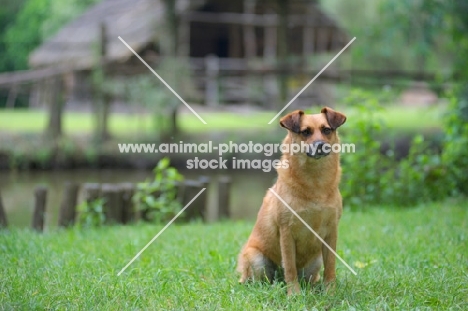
[
  {"x": 77, "y": 43},
  {"x": 139, "y": 23}
]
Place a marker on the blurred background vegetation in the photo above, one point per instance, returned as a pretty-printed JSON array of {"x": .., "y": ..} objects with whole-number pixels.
[
  {"x": 407, "y": 153},
  {"x": 25, "y": 24},
  {"x": 392, "y": 34}
]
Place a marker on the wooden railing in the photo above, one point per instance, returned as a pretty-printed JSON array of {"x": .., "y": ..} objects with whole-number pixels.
[{"x": 118, "y": 207}]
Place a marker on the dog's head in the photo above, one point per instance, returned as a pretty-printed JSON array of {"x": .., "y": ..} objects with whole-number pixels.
[{"x": 315, "y": 131}]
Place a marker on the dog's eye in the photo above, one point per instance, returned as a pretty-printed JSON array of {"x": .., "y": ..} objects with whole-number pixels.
[
  {"x": 326, "y": 130},
  {"x": 306, "y": 132}
]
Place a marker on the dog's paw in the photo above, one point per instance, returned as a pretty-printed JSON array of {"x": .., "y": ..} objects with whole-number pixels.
[
  {"x": 330, "y": 287},
  {"x": 294, "y": 289},
  {"x": 243, "y": 280}
]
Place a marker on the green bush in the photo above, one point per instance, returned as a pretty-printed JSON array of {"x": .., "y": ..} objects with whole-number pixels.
[
  {"x": 91, "y": 214},
  {"x": 370, "y": 177},
  {"x": 156, "y": 200},
  {"x": 362, "y": 169},
  {"x": 455, "y": 150},
  {"x": 417, "y": 178}
]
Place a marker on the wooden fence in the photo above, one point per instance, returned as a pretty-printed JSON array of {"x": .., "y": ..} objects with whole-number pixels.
[{"x": 118, "y": 207}]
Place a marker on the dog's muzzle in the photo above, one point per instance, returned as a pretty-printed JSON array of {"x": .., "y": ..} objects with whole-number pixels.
[{"x": 318, "y": 149}]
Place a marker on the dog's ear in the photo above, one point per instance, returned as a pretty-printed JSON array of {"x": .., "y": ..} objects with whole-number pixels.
[
  {"x": 292, "y": 121},
  {"x": 335, "y": 119}
]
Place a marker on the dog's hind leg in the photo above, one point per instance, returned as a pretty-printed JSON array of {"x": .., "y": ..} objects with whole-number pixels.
[{"x": 255, "y": 266}]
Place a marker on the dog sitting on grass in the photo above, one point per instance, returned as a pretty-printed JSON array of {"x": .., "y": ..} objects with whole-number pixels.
[{"x": 310, "y": 187}]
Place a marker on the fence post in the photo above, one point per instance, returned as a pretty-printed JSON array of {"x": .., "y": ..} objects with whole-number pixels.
[
  {"x": 92, "y": 192},
  {"x": 191, "y": 188},
  {"x": 197, "y": 208},
  {"x": 112, "y": 203},
  {"x": 224, "y": 195},
  {"x": 40, "y": 198},
  {"x": 67, "y": 213},
  {"x": 128, "y": 211},
  {"x": 3, "y": 217},
  {"x": 212, "y": 75},
  {"x": 203, "y": 198}
]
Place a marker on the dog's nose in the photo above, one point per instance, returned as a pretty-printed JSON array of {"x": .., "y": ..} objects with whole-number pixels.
[
  {"x": 319, "y": 146},
  {"x": 316, "y": 149}
]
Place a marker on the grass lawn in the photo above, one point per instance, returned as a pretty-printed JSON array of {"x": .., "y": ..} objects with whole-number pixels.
[
  {"x": 405, "y": 259},
  {"x": 35, "y": 121}
]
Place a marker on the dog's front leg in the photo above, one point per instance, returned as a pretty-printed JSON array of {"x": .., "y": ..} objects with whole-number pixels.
[
  {"x": 288, "y": 256},
  {"x": 329, "y": 259}
]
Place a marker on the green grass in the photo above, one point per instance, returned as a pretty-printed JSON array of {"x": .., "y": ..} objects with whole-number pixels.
[
  {"x": 27, "y": 121},
  {"x": 78, "y": 122},
  {"x": 405, "y": 258}
]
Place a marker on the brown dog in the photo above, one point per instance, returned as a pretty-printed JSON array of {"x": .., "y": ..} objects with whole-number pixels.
[{"x": 310, "y": 187}]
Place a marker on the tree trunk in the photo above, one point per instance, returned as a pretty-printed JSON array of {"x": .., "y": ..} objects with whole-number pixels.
[
  {"x": 249, "y": 32},
  {"x": 103, "y": 100},
  {"x": 172, "y": 27},
  {"x": 55, "y": 105},
  {"x": 283, "y": 50},
  {"x": 104, "y": 103},
  {"x": 174, "y": 130},
  {"x": 170, "y": 52}
]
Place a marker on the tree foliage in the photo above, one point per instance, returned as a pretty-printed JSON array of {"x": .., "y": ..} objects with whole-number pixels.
[
  {"x": 417, "y": 24},
  {"x": 460, "y": 37},
  {"x": 403, "y": 34},
  {"x": 8, "y": 12},
  {"x": 27, "y": 23},
  {"x": 455, "y": 152}
]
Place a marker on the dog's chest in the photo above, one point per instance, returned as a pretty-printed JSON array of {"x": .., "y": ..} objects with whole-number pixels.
[
  {"x": 318, "y": 221},
  {"x": 307, "y": 245}
]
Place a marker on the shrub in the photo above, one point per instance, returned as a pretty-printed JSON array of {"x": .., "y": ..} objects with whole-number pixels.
[
  {"x": 91, "y": 214},
  {"x": 417, "y": 178},
  {"x": 455, "y": 151},
  {"x": 370, "y": 177},
  {"x": 156, "y": 200},
  {"x": 362, "y": 169}
]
